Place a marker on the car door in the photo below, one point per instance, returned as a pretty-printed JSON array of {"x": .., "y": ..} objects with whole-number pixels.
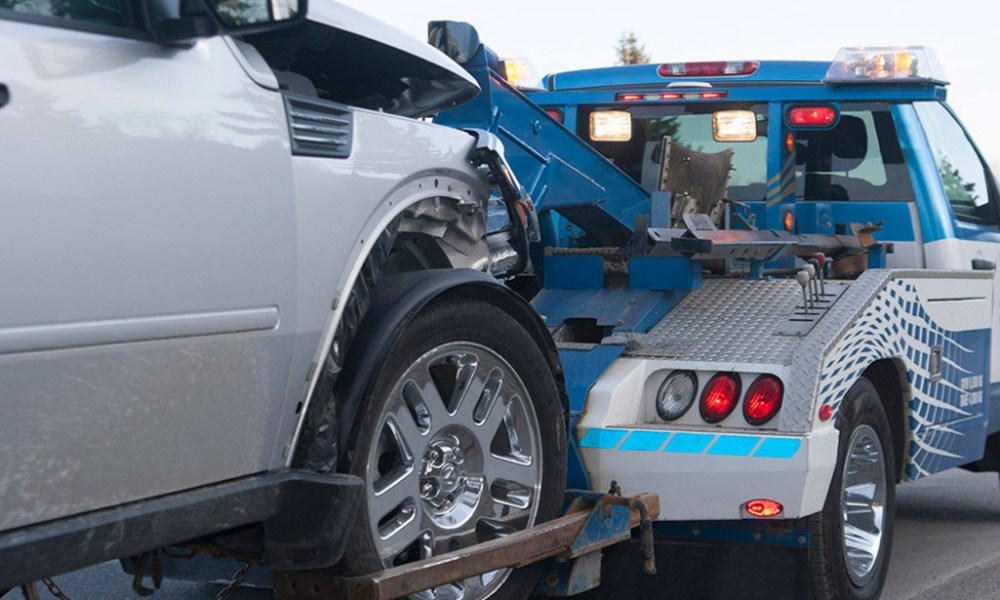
[
  {"x": 971, "y": 192},
  {"x": 147, "y": 306}
]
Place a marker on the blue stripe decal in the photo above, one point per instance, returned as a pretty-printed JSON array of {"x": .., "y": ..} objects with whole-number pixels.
[
  {"x": 734, "y": 445},
  {"x": 602, "y": 439},
  {"x": 689, "y": 443},
  {"x": 778, "y": 448},
  {"x": 645, "y": 441}
]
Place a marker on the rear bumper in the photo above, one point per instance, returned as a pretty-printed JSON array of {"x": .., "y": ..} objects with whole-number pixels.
[
  {"x": 304, "y": 515},
  {"x": 710, "y": 475}
]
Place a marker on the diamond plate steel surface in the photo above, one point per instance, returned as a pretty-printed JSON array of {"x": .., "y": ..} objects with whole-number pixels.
[{"x": 727, "y": 320}]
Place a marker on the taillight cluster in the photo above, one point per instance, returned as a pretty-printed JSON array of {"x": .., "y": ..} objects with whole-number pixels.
[{"x": 719, "y": 397}]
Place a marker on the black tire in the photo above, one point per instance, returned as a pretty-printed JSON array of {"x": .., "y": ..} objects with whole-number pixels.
[
  {"x": 442, "y": 325},
  {"x": 831, "y": 578}
]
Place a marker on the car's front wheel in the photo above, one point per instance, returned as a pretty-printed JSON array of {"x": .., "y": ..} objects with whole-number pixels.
[{"x": 463, "y": 441}]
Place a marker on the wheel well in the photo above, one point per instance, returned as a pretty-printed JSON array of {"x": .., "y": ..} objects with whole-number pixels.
[{"x": 888, "y": 377}]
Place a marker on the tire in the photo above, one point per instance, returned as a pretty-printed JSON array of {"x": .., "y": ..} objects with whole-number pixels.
[
  {"x": 845, "y": 566},
  {"x": 446, "y": 469}
]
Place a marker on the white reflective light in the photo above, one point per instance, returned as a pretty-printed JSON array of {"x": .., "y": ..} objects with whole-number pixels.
[
  {"x": 610, "y": 126},
  {"x": 734, "y": 126}
]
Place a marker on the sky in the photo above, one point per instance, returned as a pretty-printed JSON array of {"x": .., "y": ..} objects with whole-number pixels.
[{"x": 560, "y": 36}]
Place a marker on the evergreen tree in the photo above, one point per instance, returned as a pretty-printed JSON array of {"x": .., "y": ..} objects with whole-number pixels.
[{"x": 630, "y": 51}]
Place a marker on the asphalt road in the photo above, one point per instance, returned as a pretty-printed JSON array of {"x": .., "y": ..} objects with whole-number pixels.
[{"x": 947, "y": 547}]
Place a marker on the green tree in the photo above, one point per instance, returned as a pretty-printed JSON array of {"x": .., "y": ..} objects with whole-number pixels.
[
  {"x": 955, "y": 187},
  {"x": 629, "y": 51}
]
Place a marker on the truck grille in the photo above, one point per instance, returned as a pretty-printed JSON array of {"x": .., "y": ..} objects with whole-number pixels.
[{"x": 319, "y": 128}]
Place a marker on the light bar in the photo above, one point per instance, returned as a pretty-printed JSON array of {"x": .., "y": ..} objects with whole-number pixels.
[
  {"x": 521, "y": 73},
  {"x": 708, "y": 69},
  {"x": 913, "y": 64}
]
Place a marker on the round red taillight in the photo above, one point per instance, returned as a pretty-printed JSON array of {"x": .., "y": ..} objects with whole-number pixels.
[
  {"x": 719, "y": 397},
  {"x": 764, "y": 508},
  {"x": 763, "y": 399}
]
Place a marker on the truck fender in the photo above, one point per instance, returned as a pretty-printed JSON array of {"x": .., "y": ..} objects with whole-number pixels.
[{"x": 396, "y": 301}]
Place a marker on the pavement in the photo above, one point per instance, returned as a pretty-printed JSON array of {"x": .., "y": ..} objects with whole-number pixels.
[{"x": 947, "y": 546}]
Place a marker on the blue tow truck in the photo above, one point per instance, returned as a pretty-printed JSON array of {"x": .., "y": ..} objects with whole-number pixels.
[{"x": 772, "y": 285}]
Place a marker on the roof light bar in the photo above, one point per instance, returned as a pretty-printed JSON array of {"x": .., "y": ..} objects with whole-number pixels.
[
  {"x": 708, "y": 69},
  {"x": 912, "y": 64}
]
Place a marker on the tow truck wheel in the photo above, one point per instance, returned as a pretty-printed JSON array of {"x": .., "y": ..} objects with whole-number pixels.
[
  {"x": 463, "y": 441},
  {"x": 852, "y": 536}
]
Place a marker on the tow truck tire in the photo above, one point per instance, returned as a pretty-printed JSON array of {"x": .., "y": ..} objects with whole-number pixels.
[
  {"x": 444, "y": 474},
  {"x": 851, "y": 539}
]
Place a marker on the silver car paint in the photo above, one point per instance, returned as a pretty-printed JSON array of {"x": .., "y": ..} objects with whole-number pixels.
[{"x": 169, "y": 267}]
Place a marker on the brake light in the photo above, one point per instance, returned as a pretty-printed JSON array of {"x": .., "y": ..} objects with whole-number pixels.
[
  {"x": 708, "y": 69},
  {"x": 812, "y": 116},
  {"x": 763, "y": 507},
  {"x": 719, "y": 397},
  {"x": 763, "y": 399},
  {"x": 555, "y": 113},
  {"x": 633, "y": 97}
]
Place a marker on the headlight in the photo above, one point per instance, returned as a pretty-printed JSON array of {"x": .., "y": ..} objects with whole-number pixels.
[{"x": 676, "y": 395}]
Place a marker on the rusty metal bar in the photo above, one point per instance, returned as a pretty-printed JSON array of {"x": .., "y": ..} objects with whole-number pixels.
[{"x": 516, "y": 550}]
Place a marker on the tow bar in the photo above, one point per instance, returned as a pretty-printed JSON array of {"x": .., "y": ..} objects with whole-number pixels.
[{"x": 572, "y": 542}]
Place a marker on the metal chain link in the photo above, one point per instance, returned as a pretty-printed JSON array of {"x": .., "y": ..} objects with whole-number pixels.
[
  {"x": 55, "y": 590},
  {"x": 235, "y": 582}
]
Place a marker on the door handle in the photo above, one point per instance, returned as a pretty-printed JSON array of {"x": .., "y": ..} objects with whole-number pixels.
[{"x": 981, "y": 264}]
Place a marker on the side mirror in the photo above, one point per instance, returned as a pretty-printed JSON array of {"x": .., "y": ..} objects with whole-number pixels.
[
  {"x": 186, "y": 21},
  {"x": 239, "y": 17},
  {"x": 459, "y": 41}
]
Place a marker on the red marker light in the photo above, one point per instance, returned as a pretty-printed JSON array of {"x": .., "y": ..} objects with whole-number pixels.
[
  {"x": 712, "y": 95},
  {"x": 825, "y": 412},
  {"x": 763, "y": 399},
  {"x": 812, "y": 116},
  {"x": 789, "y": 221},
  {"x": 719, "y": 397},
  {"x": 630, "y": 97},
  {"x": 671, "y": 96},
  {"x": 555, "y": 113},
  {"x": 764, "y": 508}
]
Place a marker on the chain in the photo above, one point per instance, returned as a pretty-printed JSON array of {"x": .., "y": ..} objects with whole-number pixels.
[
  {"x": 55, "y": 590},
  {"x": 234, "y": 583}
]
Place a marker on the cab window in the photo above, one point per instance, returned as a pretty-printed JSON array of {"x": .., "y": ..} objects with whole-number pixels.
[
  {"x": 858, "y": 160},
  {"x": 109, "y": 13},
  {"x": 691, "y": 127},
  {"x": 963, "y": 176}
]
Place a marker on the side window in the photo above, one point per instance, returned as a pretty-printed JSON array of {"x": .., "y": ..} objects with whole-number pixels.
[
  {"x": 109, "y": 13},
  {"x": 859, "y": 160},
  {"x": 962, "y": 172}
]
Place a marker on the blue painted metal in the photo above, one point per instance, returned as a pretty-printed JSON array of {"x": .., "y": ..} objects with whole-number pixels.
[
  {"x": 689, "y": 443},
  {"x": 936, "y": 221},
  {"x": 582, "y": 369},
  {"x": 776, "y": 447},
  {"x": 618, "y": 309},
  {"x": 733, "y": 445},
  {"x": 993, "y": 422},
  {"x": 663, "y": 273},
  {"x": 645, "y": 441},
  {"x": 747, "y": 532},
  {"x": 824, "y": 217},
  {"x": 561, "y": 172},
  {"x": 711, "y": 444},
  {"x": 570, "y": 577},
  {"x": 610, "y": 523},
  {"x": 574, "y": 272}
]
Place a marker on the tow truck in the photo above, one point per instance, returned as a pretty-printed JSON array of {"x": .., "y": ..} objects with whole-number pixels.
[
  {"x": 843, "y": 302},
  {"x": 772, "y": 285}
]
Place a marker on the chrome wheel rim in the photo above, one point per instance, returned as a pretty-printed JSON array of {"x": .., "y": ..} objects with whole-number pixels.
[
  {"x": 863, "y": 500},
  {"x": 457, "y": 462}
]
